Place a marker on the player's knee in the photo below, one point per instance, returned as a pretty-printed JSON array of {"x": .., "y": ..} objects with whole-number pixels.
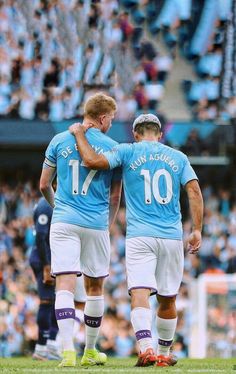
[
  {"x": 93, "y": 286},
  {"x": 66, "y": 282},
  {"x": 94, "y": 290},
  {"x": 140, "y": 298},
  {"x": 166, "y": 302}
]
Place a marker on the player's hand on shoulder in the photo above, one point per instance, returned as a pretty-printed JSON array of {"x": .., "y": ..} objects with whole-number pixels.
[
  {"x": 194, "y": 241},
  {"x": 75, "y": 128},
  {"x": 78, "y": 127},
  {"x": 47, "y": 279}
]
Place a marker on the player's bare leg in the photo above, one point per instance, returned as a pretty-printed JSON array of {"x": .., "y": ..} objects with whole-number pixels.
[
  {"x": 80, "y": 298},
  {"x": 65, "y": 314},
  {"x": 93, "y": 313},
  {"x": 166, "y": 325},
  {"x": 141, "y": 319},
  {"x": 79, "y": 316}
]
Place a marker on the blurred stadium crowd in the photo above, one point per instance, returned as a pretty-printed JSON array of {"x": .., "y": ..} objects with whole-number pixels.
[
  {"x": 55, "y": 53},
  {"x": 19, "y": 300}
]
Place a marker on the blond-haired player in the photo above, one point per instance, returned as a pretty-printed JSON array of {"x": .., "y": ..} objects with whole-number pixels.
[{"x": 79, "y": 236}]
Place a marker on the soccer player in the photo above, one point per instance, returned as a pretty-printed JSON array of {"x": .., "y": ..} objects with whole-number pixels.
[
  {"x": 40, "y": 261},
  {"x": 152, "y": 175},
  {"x": 79, "y": 234}
]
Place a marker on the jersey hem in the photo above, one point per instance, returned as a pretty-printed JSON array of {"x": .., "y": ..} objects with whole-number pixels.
[
  {"x": 103, "y": 228},
  {"x": 152, "y": 236}
]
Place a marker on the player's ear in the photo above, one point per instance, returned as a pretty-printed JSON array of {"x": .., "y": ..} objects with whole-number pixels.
[
  {"x": 136, "y": 136},
  {"x": 102, "y": 119},
  {"x": 160, "y": 135}
]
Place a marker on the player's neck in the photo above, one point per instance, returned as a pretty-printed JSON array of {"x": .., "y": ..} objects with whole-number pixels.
[
  {"x": 149, "y": 138},
  {"x": 91, "y": 123}
]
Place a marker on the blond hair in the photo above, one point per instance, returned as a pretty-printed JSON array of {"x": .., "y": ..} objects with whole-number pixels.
[{"x": 98, "y": 105}]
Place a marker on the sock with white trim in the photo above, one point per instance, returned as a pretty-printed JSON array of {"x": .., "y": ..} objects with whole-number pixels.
[{"x": 141, "y": 319}]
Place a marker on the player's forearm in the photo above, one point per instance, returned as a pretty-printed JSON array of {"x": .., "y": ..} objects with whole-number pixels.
[
  {"x": 89, "y": 156},
  {"x": 114, "y": 203},
  {"x": 45, "y": 184},
  {"x": 48, "y": 193},
  {"x": 195, "y": 204}
]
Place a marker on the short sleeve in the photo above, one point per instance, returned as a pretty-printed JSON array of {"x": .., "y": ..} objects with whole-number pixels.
[
  {"x": 50, "y": 154},
  {"x": 188, "y": 173},
  {"x": 118, "y": 155}
]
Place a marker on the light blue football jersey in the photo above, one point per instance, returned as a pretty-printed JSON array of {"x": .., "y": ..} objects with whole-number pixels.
[
  {"x": 152, "y": 176},
  {"x": 82, "y": 195}
]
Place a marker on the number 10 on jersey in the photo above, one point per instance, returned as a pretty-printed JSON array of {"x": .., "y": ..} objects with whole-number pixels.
[{"x": 151, "y": 186}]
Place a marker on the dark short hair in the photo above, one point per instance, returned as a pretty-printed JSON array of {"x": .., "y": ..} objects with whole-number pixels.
[{"x": 143, "y": 127}]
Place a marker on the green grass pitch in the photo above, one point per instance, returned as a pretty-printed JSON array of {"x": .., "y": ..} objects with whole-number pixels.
[{"x": 116, "y": 366}]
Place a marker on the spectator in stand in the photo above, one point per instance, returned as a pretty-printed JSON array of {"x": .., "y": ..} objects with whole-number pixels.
[
  {"x": 35, "y": 48},
  {"x": 125, "y": 26},
  {"x": 194, "y": 145},
  {"x": 141, "y": 96}
]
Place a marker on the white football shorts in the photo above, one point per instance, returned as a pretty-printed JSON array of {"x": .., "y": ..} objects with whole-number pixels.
[
  {"x": 80, "y": 293},
  {"x": 76, "y": 250},
  {"x": 155, "y": 263}
]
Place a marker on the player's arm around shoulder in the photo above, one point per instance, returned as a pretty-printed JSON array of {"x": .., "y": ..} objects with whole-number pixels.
[
  {"x": 196, "y": 210},
  {"x": 91, "y": 159}
]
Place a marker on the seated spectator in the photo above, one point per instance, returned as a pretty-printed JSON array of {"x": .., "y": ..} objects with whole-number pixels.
[
  {"x": 150, "y": 69},
  {"x": 124, "y": 341},
  {"x": 163, "y": 65},
  {"x": 56, "y": 109},
  {"x": 154, "y": 92},
  {"x": 27, "y": 104},
  {"x": 139, "y": 75},
  {"x": 141, "y": 96},
  {"x": 42, "y": 106},
  {"x": 197, "y": 91},
  {"x": 194, "y": 145},
  {"x": 125, "y": 26}
]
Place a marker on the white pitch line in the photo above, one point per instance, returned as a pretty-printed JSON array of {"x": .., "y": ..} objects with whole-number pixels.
[{"x": 92, "y": 370}]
